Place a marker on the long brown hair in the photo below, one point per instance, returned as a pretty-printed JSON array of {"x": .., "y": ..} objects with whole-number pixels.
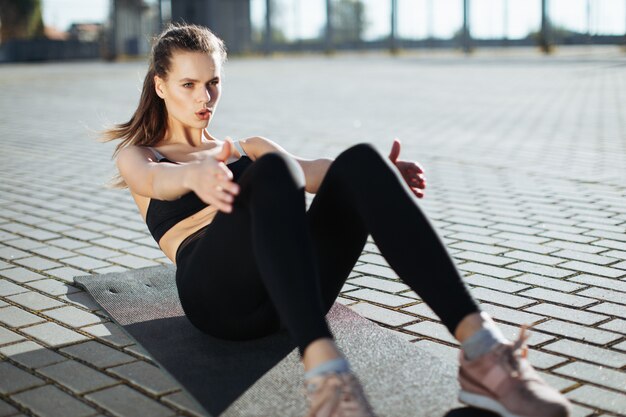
[{"x": 148, "y": 124}]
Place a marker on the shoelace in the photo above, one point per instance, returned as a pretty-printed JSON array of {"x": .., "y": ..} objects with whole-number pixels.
[{"x": 519, "y": 351}]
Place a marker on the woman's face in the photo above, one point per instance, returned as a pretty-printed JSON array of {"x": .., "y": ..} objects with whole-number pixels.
[{"x": 192, "y": 89}]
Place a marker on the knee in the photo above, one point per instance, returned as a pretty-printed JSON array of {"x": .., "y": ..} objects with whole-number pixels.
[
  {"x": 277, "y": 168},
  {"x": 362, "y": 155}
]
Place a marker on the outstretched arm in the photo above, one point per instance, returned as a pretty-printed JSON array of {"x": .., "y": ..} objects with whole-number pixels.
[{"x": 315, "y": 169}]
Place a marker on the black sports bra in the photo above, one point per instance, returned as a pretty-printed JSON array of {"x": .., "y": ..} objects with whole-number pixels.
[{"x": 162, "y": 215}]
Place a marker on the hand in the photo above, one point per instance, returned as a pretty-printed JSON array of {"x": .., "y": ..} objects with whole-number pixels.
[
  {"x": 211, "y": 179},
  {"x": 412, "y": 173}
]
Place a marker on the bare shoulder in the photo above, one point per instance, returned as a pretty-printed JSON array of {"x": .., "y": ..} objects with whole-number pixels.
[{"x": 257, "y": 146}]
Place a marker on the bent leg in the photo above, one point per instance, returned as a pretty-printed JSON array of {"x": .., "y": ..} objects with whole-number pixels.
[
  {"x": 363, "y": 192},
  {"x": 255, "y": 264}
]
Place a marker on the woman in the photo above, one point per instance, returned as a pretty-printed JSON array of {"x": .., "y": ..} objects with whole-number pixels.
[{"x": 250, "y": 258}]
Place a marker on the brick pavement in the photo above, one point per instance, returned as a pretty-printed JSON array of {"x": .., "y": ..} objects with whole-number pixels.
[{"x": 526, "y": 169}]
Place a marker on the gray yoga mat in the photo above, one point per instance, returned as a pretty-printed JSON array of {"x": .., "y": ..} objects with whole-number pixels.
[{"x": 264, "y": 377}]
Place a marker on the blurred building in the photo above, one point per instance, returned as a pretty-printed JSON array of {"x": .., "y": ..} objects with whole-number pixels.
[
  {"x": 228, "y": 19},
  {"x": 86, "y": 32}
]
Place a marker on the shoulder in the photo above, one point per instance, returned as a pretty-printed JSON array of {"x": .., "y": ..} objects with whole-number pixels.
[
  {"x": 257, "y": 146},
  {"x": 134, "y": 152}
]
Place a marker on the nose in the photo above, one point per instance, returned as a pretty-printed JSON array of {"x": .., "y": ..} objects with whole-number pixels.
[{"x": 206, "y": 96}]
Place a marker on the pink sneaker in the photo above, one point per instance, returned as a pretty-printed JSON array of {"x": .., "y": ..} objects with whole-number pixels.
[
  {"x": 337, "y": 395},
  {"x": 504, "y": 382}
]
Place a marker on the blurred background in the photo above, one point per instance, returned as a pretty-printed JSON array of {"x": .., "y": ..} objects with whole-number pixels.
[{"x": 32, "y": 30}]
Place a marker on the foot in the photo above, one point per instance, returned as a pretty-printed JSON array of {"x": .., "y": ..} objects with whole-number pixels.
[
  {"x": 337, "y": 395},
  {"x": 504, "y": 382}
]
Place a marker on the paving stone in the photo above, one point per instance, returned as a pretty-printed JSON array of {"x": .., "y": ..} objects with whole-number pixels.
[
  {"x": 382, "y": 315},
  {"x": 53, "y": 335},
  {"x": 14, "y": 379},
  {"x": 381, "y": 298},
  {"x": 82, "y": 299},
  {"x": 578, "y": 247},
  {"x": 73, "y": 316},
  {"x": 509, "y": 315},
  {"x": 66, "y": 243},
  {"x": 86, "y": 263},
  {"x": 584, "y": 257},
  {"x": 183, "y": 401},
  {"x": 77, "y": 377},
  {"x": 379, "y": 284},
  {"x": 483, "y": 258},
  {"x": 34, "y": 301},
  {"x": 110, "y": 269},
  {"x": 125, "y": 402},
  {"x": 471, "y": 229},
  {"x": 66, "y": 274},
  {"x": 588, "y": 353},
  {"x": 593, "y": 269},
  {"x": 376, "y": 270},
  {"x": 28, "y": 245},
  {"x": 7, "y": 336},
  {"x": 113, "y": 243},
  {"x": 495, "y": 283},
  {"x": 558, "y": 297},
  {"x": 615, "y": 254},
  {"x": 21, "y": 274},
  {"x": 97, "y": 354},
  {"x": 533, "y": 257},
  {"x": 570, "y": 237},
  {"x": 599, "y": 398},
  {"x": 487, "y": 270},
  {"x": 595, "y": 374},
  {"x": 432, "y": 330},
  {"x": 477, "y": 247},
  {"x": 620, "y": 346},
  {"x": 134, "y": 262},
  {"x": 49, "y": 401},
  {"x": 348, "y": 287},
  {"x": 144, "y": 252},
  {"x": 557, "y": 382},
  {"x": 565, "y": 313},
  {"x": 543, "y": 360},
  {"x": 612, "y": 284},
  {"x": 7, "y": 410},
  {"x": 551, "y": 283},
  {"x": 82, "y": 235},
  {"x": 345, "y": 301},
  {"x": 574, "y": 331},
  {"x": 53, "y": 253},
  {"x": 11, "y": 254},
  {"x": 537, "y": 269},
  {"x": 604, "y": 295},
  {"x": 53, "y": 287},
  {"x": 16, "y": 317},
  {"x": 36, "y": 262},
  {"x": 468, "y": 237},
  {"x": 8, "y": 288},
  {"x": 611, "y": 244},
  {"x": 527, "y": 247},
  {"x": 31, "y": 354},
  {"x": 109, "y": 332},
  {"x": 421, "y": 310},
  {"x": 146, "y": 376},
  {"x": 499, "y": 297},
  {"x": 617, "y": 325},
  {"x": 446, "y": 353},
  {"x": 139, "y": 351},
  {"x": 98, "y": 252},
  {"x": 608, "y": 308},
  {"x": 521, "y": 237}
]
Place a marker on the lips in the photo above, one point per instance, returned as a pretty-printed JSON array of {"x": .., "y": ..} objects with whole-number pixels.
[{"x": 203, "y": 114}]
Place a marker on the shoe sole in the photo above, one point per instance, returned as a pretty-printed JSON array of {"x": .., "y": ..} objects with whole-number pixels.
[{"x": 486, "y": 403}]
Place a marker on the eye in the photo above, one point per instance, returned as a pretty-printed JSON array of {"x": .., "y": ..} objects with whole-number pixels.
[
  {"x": 214, "y": 82},
  {"x": 187, "y": 85}
]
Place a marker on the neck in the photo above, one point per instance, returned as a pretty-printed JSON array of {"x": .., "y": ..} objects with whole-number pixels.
[{"x": 193, "y": 137}]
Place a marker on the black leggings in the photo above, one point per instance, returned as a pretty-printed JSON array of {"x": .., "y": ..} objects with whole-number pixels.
[{"x": 270, "y": 262}]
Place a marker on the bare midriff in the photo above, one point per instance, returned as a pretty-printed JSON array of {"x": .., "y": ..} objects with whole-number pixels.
[{"x": 172, "y": 239}]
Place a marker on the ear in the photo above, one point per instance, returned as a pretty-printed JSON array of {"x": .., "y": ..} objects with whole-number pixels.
[{"x": 158, "y": 86}]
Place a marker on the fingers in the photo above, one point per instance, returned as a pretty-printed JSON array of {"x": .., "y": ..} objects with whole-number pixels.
[{"x": 395, "y": 150}]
